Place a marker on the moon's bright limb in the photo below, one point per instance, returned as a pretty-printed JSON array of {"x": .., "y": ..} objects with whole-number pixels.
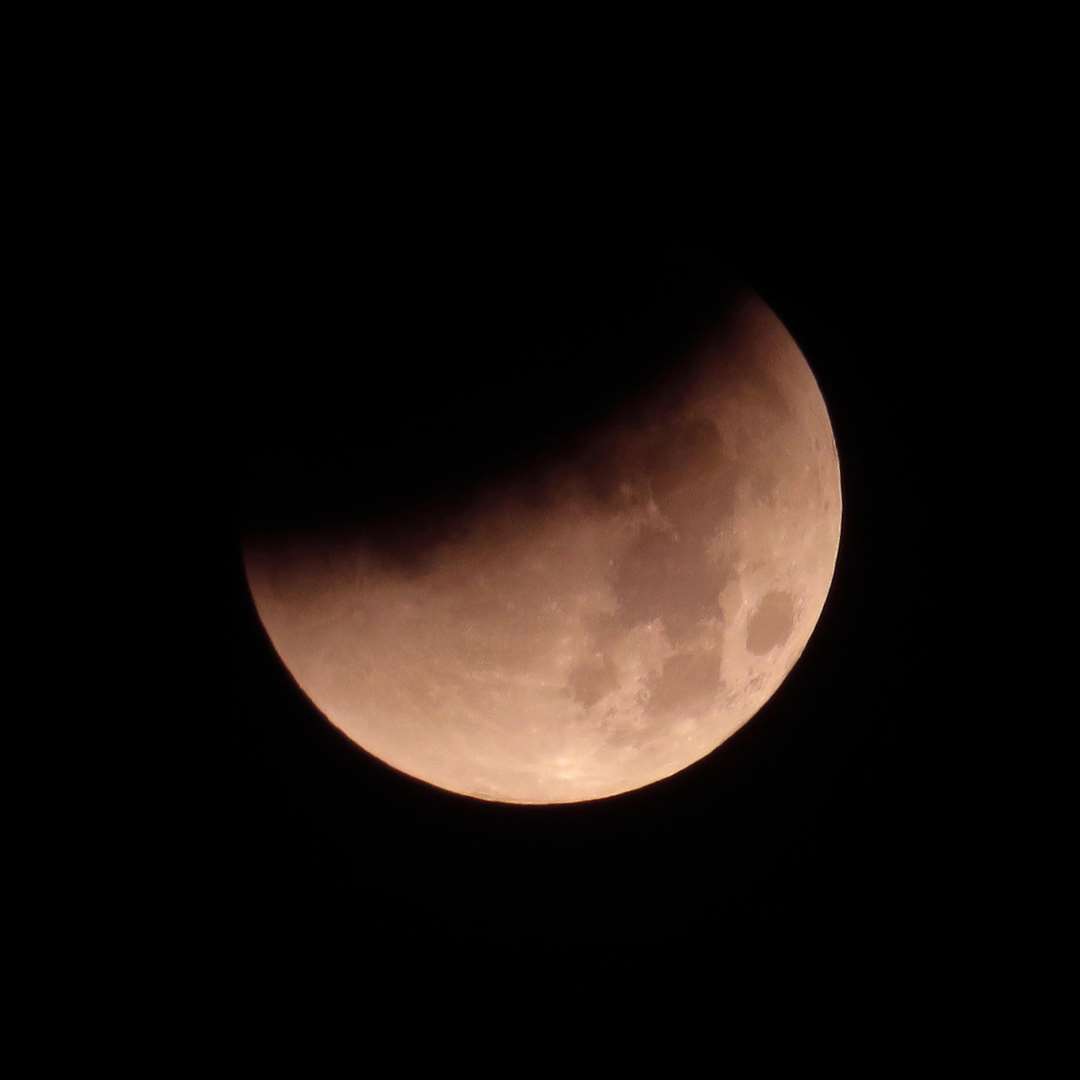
[{"x": 603, "y": 626}]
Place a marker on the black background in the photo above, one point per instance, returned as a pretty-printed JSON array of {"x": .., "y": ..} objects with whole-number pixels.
[{"x": 387, "y": 351}]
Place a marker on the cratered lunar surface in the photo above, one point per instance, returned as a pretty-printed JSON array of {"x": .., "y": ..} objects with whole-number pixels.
[{"x": 601, "y": 623}]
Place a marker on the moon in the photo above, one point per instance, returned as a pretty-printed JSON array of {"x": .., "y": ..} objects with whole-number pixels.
[{"x": 596, "y": 625}]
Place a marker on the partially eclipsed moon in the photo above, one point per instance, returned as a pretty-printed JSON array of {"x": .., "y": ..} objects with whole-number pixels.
[{"x": 600, "y": 626}]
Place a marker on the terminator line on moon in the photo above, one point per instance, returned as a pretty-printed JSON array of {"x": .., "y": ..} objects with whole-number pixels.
[{"x": 601, "y": 624}]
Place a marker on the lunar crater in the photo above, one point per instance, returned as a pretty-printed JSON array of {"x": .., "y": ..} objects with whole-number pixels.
[
  {"x": 685, "y": 686},
  {"x": 593, "y": 679},
  {"x": 771, "y": 623}
]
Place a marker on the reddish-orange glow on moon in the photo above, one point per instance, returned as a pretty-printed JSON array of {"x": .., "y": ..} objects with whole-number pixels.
[{"x": 597, "y": 627}]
